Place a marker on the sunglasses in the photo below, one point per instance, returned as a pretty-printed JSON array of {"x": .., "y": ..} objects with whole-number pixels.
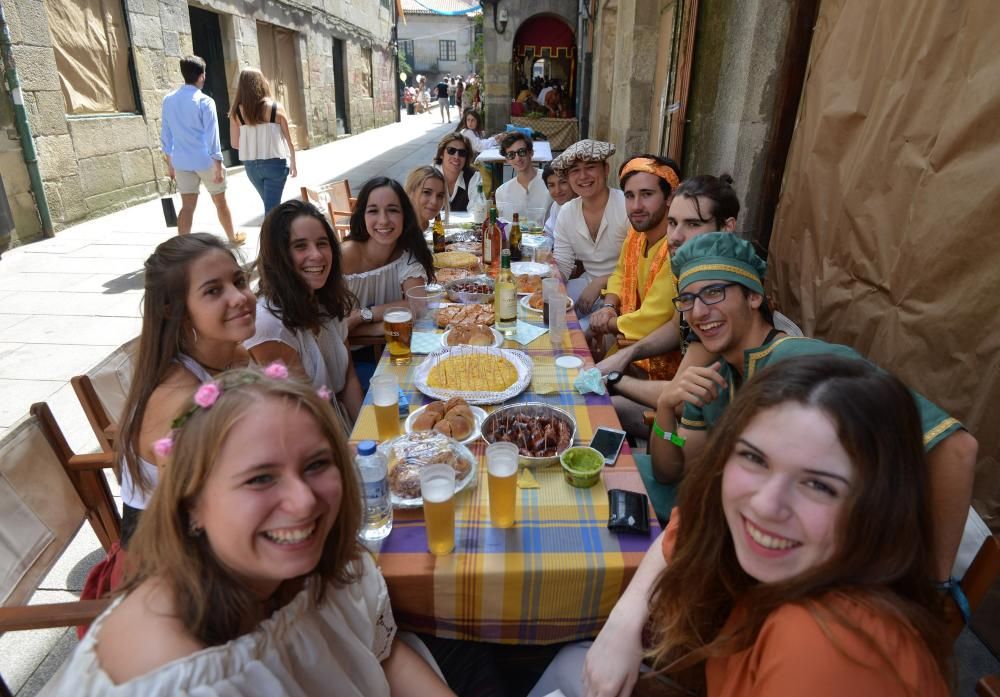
[
  {"x": 456, "y": 151},
  {"x": 520, "y": 152}
]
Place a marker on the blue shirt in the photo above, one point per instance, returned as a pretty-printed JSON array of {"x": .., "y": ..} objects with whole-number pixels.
[{"x": 190, "y": 129}]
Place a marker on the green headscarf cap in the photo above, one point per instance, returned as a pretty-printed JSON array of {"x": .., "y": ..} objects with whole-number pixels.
[{"x": 719, "y": 256}]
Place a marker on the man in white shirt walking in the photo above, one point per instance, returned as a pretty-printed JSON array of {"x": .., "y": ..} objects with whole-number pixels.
[
  {"x": 526, "y": 193},
  {"x": 591, "y": 228}
]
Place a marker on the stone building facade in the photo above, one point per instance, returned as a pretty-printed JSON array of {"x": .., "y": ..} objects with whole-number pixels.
[
  {"x": 333, "y": 62},
  {"x": 437, "y": 44}
]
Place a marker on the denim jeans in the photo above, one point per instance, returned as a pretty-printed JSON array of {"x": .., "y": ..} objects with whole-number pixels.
[{"x": 268, "y": 177}]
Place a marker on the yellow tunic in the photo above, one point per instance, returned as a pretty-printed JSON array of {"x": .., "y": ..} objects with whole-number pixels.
[{"x": 655, "y": 307}]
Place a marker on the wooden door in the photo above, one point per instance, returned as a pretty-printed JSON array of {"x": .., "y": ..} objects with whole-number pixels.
[{"x": 279, "y": 62}]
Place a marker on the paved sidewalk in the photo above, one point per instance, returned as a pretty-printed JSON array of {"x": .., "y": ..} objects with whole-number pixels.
[{"x": 67, "y": 302}]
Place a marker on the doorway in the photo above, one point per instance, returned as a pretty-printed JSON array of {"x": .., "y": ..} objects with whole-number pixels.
[
  {"x": 206, "y": 42},
  {"x": 339, "y": 87},
  {"x": 279, "y": 61}
]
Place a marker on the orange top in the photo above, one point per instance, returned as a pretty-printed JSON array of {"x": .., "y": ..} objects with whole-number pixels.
[{"x": 793, "y": 655}]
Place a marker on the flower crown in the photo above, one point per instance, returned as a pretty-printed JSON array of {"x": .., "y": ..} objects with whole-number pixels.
[{"x": 208, "y": 394}]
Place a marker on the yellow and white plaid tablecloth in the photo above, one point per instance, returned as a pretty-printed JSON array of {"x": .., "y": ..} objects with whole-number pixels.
[{"x": 557, "y": 573}]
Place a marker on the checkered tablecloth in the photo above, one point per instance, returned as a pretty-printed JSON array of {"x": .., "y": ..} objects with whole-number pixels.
[{"x": 557, "y": 573}]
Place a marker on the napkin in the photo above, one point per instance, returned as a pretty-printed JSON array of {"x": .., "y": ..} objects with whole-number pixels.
[
  {"x": 425, "y": 342},
  {"x": 543, "y": 377},
  {"x": 526, "y": 480},
  {"x": 589, "y": 381},
  {"x": 525, "y": 333}
]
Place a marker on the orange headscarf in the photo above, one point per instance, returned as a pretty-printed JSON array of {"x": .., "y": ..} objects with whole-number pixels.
[{"x": 651, "y": 166}]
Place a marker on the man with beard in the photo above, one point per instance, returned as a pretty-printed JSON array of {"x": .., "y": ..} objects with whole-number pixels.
[{"x": 638, "y": 295}]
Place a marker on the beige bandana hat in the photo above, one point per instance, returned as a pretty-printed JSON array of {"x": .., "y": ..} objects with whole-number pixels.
[{"x": 586, "y": 150}]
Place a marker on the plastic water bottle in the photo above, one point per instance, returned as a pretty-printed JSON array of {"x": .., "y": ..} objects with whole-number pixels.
[{"x": 373, "y": 468}]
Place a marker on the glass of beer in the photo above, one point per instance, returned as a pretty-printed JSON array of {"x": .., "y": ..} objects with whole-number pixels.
[
  {"x": 385, "y": 397},
  {"x": 398, "y": 332},
  {"x": 501, "y": 469},
  {"x": 437, "y": 487}
]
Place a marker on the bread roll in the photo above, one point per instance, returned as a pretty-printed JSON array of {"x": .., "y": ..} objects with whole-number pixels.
[
  {"x": 443, "y": 426},
  {"x": 454, "y": 402},
  {"x": 426, "y": 420},
  {"x": 461, "y": 426},
  {"x": 436, "y": 408}
]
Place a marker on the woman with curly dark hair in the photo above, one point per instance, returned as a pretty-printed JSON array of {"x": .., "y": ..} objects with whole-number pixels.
[{"x": 303, "y": 305}]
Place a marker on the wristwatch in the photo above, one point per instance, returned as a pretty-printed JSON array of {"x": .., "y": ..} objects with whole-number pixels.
[
  {"x": 366, "y": 314},
  {"x": 614, "y": 377}
]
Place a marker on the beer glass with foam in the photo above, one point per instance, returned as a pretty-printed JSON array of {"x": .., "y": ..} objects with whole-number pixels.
[
  {"x": 385, "y": 397},
  {"x": 398, "y": 332},
  {"x": 501, "y": 469},
  {"x": 437, "y": 487}
]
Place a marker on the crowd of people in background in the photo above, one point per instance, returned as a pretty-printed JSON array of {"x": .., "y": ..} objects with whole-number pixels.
[{"x": 780, "y": 570}]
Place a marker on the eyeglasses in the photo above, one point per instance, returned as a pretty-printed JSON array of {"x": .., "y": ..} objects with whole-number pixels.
[
  {"x": 520, "y": 152},
  {"x": 709, "y": 295},
  {"x": 456, "y": 151}
]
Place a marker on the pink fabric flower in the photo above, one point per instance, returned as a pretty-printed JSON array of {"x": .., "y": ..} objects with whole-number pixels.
[
  {"x": 276, "y": 371},
  {"x": 207, "y": 394},
  {"x": 324, "y": 393},
  {"x": 164, "y": 446}
]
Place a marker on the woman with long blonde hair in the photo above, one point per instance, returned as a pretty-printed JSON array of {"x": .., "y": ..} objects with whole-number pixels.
[
  {"x": 247, "y": 576},
  {"x": 258, "y": 128},
  {"x": 425, "y": 187}
]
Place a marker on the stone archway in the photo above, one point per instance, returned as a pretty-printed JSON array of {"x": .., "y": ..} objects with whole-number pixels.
[{"x": 544, "y": 41}]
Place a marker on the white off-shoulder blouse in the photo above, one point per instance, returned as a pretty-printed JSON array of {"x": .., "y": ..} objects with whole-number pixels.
[
  {"x": 385, "y": 284},
  {"x": 302, "y": 649}
]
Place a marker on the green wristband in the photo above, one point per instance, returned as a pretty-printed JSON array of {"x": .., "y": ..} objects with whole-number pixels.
[{"x": 677, "y": 440}]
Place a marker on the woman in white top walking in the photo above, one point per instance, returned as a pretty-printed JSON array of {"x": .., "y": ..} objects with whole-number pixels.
[{"x": 258, "y": 128}]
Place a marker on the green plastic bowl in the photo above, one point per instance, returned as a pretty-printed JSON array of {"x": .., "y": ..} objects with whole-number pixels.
[{"x": 582, "y": 466}]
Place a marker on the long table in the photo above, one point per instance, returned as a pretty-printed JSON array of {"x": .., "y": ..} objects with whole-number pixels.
[{"x": 555, "y": 575}]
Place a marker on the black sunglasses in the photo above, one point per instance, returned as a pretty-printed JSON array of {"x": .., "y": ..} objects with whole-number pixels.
[
  {"x": 520, "y": 152},
  {"x": 456, "y": 151}
]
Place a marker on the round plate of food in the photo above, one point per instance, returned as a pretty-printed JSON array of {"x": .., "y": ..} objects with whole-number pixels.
[
  {"x": 540, "y": 431},
  {"x": 530, "y": 268},
  {"x": 454, "y": 418},
  {"x": 408, "y": 454},
  {"x": 472, "y": 313},
  {"x": 472, "y": 335},
  {"x": 533, "y": 302},
  {"x": 526, "y": 285},
  {"x": 477, "y": 289},
  {"x": 479, "y": 374}
]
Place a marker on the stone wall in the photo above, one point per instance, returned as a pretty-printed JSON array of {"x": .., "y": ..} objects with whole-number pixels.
[
  {"x": 499, "y": 50},
  {"x": 27, "y": 226},
  {"x": 731, "y": 106},
  {"x": 92, "y": 165}
]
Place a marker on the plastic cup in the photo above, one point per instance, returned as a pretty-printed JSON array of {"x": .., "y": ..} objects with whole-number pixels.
[
  {"x": 557, "y": 318},
  {"x": 437, "y": 487},
  {"x": 501, "y": 469},
  {"x": 550, "y": 285},
  {"x": 423, "y": 301},
  {"x": 385, "y": 397}
]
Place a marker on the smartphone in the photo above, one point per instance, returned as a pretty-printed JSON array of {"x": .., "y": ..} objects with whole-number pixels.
[{"x": 608, "y": 442}]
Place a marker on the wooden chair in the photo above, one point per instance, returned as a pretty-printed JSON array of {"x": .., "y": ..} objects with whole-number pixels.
[
  {"x": 988, "y": 686},
  {"x": 46, "y": 494},
  {"x": 336, "y": 200},
  {"x": 103, "y": 389},
  {"x": 981, "y": 575}
]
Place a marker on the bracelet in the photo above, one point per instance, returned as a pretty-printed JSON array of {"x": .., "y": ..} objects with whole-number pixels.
[
  {"x": 611, "y": 306},
  {"x": 677, "y": 440},
  {"x": 954, "y": 589}
]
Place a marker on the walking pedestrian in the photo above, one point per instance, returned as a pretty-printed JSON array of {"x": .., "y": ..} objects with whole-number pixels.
[
  {"x": 258, "y": 128},
  {"x": 190, "y": 139},
  {"x": 441, "y": 92}
]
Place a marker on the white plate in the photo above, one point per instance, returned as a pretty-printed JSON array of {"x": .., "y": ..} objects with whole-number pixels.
[
  {"x": 460, "y": 450},
  {"x": 520, "y": 360},
  {"x": 529, "y": 308},
  {"x": 531, "y": 268},
  {"x": 477, "y": 413},
  {"x": 497, "y": 339}
]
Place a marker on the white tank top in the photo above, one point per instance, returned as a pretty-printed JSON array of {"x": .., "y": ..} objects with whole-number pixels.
[{"x": 262, "y": 141}]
